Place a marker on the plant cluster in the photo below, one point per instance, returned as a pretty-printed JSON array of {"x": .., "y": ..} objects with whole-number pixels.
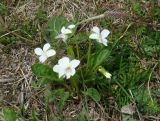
[
  {"x": 74, "y": 68},
  {"x": 74, "y": 76}
]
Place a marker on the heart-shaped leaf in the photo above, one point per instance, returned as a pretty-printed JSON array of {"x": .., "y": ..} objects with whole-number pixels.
[
  {"x": 55, "y": 24},
  {"x": 45, "y": 71},
  {"x": 93, "y": 93}
]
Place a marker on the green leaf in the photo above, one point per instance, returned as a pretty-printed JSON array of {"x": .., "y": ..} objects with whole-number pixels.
[
  {"x": 98, "y": 58},
  {"x": 81, "y": 37},
  {"x": 64, "y": 96},
  {"x": 55, "y": 24},
  {"x": 40, "y": 15},
  {"x": 52, "y": 95},
  {"x": 45, "y": 71},
  {"x": 49, "y": 96},
  {"x": 137, "y": 8},
  {"x": 9, "y": 114},
  {"x": 3, "y": 9},
  {"x": 93, "y": 93},
  {"x": 71, "y": 51},
  {"x": 57, "y": 119},
  {"x": 34, "y": 116}
]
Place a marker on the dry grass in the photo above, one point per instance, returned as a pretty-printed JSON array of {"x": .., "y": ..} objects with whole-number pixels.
[
  {"x": 15, "y": 71},
  {"x": 15, "y": 75}
]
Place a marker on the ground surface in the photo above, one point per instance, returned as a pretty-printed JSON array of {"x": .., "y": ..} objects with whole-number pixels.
[{"x": 21, "y": 34}]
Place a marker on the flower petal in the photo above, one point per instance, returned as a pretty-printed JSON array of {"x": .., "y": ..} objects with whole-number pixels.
[
  {"x": 68, "y": 31},
  {"x": 62, "y": 36},
  {"x": 50, "y": 53},
  {"x": 61, "y": 73},
  {"x": 105, "y": 33},
  {"x": 65, "y": 31},
  {"x": 70, "y": 73},
  {"x": 59, "y": 70},
  {"x": 46, "y": 47},
  {"x": 104, "y": 41},
  {"x": 71, "y": 26},
  {"x": 95, "y": 29},
  {"x": 94, "y": 36},
  {"x": 73, "y": 72},
  {"x": 74, "y": 63},
  {"x": 38, "y": 51},
  {"x": 64, "y": 62},
  {"x": 56, "y": 68},
  {"x": 42, "y": 58},
  {"x": 59, "y": 36},
  {"x": 108, "y": 75}
]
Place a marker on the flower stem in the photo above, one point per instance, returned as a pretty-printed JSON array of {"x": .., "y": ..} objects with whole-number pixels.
[
  {"x": 77, "y": 49},
  {"x": 74, "y": 85},
  {"x": 78, "y": 54},
  {"x": 89, "y": 52},
  {"x": 91, "y": 18}
]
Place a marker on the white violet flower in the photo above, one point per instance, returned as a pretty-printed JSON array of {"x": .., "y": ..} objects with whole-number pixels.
[
  {"x": 66, "y": 67},
  {"x": 65, "y": 32},
  {"x": 45, "y": 53},
  {"x": 99, "y": 36},
  {"x": 72, "y": 26}
]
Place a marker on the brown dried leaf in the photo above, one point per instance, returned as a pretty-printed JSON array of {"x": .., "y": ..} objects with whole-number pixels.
[{"x": 128, "y": 109}]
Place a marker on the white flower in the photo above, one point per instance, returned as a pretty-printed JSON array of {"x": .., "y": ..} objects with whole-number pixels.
[
  {"x": 65, "y": 67},
  {"x": 72, "y": 26},
  {"x": 108, "y": 75},
  {"x": 45, "y": 53},
  {"x": 99, "y": 36},
  {"x": 65, "y": 32},
  {"x": 104, "y": 72}
]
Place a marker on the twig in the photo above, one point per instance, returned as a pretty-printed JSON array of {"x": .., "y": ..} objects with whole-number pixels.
[
  {"x": 125, "y": 31},
  {"x": 152, "y": 117},
  {"x": 6, "y": 80},
  {"x": 139, "y": 115},
  {"x": 9, "y": 33},
  {"x": 111, "y": 14},
  {"x": 91, "y": 18},
  {"x": 15, "y": 34},
  {"x": 25, "y": 79},
  {"x": 150, "y": 80},
  {"x": 22, "y": 37}
]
